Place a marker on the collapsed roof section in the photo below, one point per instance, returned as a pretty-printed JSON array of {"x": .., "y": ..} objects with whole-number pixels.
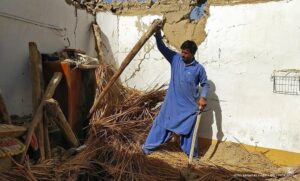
[
  {"x": 179, "y": 25},
  {"x": 184, "y": 19},
  {"x": 134, "y": 7}
]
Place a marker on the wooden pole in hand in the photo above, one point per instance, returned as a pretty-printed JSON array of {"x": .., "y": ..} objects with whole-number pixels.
[{"x": 153, "y": 28}]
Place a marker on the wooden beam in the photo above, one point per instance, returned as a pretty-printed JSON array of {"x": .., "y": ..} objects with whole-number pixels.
[
  {"x": 4, "y": 116},
  {"x": 59, "y": 118},
  {"x": 37, "y": 116},
  {"x": 153, "y": 28},
  {"x": 9, "y": 130},
  {"x": 36, "y": 72},
  {"x": 46, "y": 137},
  {"x": 98, "y": 41}
]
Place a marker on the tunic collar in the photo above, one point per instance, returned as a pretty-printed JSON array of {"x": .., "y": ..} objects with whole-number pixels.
[{"x": 190, "y": 64}]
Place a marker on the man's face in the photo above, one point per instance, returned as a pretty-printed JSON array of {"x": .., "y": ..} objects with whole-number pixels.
[{"x": 186, "y": 55}]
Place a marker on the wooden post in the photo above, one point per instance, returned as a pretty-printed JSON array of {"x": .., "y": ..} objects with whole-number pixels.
[
  {"x": 98, "y": 42},
  {"x": 4, "y": 116},
  {"x": 46, "y": 133},
  {"x": 35, "y": 61},
  {"x": 58, "y": 116},
  {"x": 153, "y": 28},
  {"x": 37, "y": 116}
]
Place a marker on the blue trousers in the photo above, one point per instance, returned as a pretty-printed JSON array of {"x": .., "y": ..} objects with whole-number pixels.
[{"x": 159, "y": 135}]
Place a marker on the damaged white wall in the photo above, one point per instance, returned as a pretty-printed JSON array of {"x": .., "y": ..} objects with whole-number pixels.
[
  {"x": 244, "y": 44},
  {"x": 52, "y": 24},
  {"x": 123, "y": 32}
]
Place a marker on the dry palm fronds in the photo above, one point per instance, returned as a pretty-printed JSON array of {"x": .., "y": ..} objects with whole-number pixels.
[
  {"x": 115, "y": 94},
  {"x": 119, "y": 136}
]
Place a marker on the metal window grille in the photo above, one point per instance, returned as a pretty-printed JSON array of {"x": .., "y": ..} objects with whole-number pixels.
[{"x": 286, "y": 82}]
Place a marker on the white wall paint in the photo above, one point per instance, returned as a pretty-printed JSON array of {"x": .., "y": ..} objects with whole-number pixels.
[
  {"x": 15, "y": 35},
  {"x": 245, "y": 43},
  {"x": 110, "y": 36}
]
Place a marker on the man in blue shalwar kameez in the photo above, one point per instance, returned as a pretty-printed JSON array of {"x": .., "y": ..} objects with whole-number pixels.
[{"x": 179, "y": 110}]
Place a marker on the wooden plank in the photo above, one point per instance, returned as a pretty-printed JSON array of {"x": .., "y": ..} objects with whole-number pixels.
[
  {"x": 153, "y": 28},
  {"x": 58, "y": 116},
  {"x": 9, "y": 130},
  {"x": 37, "y": 116},
  {"x": 35, "y": 62},
  {"x": 4, "y": 116}
]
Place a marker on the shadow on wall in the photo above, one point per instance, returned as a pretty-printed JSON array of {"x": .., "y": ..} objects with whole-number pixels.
[
  {"x": 107, "y": 51},
  {"x": 212, "y": 114}
]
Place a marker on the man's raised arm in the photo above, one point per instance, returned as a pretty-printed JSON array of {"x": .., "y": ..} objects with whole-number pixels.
[{"x": 167, "y": 53}]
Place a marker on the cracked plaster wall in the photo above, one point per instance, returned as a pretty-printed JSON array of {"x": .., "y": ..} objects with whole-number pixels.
[
  {"x": 244, "y": 44},
  {"x": 123, "y": 32}
]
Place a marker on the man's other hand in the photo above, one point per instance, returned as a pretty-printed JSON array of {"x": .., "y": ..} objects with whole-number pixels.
[{"x": 202, "y": 103}]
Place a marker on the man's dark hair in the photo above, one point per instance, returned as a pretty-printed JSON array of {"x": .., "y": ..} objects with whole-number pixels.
[{"x": 190, "y": 45}]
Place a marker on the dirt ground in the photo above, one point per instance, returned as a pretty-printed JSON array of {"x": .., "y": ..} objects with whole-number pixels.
[{"x": 227, "y": 156}]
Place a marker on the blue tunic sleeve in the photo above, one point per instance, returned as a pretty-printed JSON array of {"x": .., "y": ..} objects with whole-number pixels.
[
  {"x": 167, "y": 53},
  {"x": 203, "y": 82}
]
